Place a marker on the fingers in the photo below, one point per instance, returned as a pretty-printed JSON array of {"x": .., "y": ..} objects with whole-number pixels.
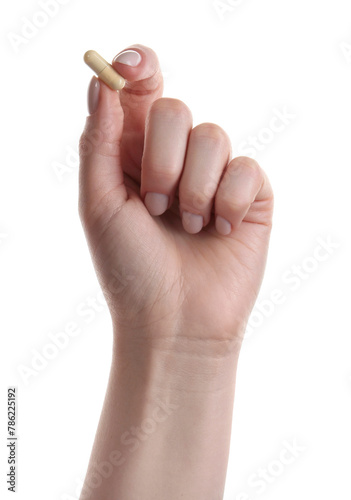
[
  {"x": 168, "y": 126},
  {"x": 239, "y": 191},
  {"x": 144, "y": 84},
  {"x": 196, "y": 160},
  {"x": 244, "y": 194}
]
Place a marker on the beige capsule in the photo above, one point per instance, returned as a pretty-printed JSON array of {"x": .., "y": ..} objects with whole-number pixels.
[{"x": 104, "y": 70}]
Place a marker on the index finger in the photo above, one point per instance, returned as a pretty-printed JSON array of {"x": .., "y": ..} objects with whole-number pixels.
[{"x": 140, "y": 67}]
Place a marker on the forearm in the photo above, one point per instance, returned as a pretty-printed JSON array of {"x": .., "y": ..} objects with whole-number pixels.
[{"x": 165, "y": 427}]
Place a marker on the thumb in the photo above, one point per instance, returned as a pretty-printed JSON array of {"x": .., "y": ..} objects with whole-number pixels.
[{"x": 101, "y": 184}]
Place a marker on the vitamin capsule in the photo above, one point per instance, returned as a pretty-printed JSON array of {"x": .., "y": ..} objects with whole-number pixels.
[{"x": 104, "y": 70}]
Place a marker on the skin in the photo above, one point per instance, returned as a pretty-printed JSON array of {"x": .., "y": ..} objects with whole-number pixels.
[{"x": 179, "y": 302}]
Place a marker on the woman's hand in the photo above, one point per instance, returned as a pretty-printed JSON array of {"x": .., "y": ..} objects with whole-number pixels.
[
  {"x": 162, "y": 269},
  {"x": 180, "y": 287}
]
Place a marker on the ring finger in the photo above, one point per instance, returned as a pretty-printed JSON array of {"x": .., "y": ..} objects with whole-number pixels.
[{"x": 207, "y": 156}]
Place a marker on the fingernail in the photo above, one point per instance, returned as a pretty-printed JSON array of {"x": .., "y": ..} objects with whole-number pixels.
[
  {"x": 156, "y": 203},
  {"x": 192, "y": 223},
  {"x": 93, "y": 95},
  {"x": 128, "y": 57},
  {"x": 223, "y": 226}
]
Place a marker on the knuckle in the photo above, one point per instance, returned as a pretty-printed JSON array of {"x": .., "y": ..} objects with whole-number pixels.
[
  {"x": 171, "y": 108},
  {"x": 100, "y": 139},
  {"x": 160, "y": 168},
  {"x": 244, "y": 165},
  {"x": 198, "y": 199},
  {"x": 235, "y": 205},
  {"x": 99, "y": 146},
  {"x": 211, "y": 132},
  {"x": 84, "y": 145},
  {"x": 239, "y": 203}
]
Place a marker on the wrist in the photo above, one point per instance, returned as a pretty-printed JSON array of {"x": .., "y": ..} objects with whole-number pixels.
[{"x": 176, "y": 362}]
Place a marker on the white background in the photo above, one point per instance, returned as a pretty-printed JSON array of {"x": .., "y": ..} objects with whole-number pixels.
[{"x": 236, "y": 69}]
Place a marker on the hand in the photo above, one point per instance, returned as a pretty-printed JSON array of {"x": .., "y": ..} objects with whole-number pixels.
[{"x": 161, "y": 273}]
